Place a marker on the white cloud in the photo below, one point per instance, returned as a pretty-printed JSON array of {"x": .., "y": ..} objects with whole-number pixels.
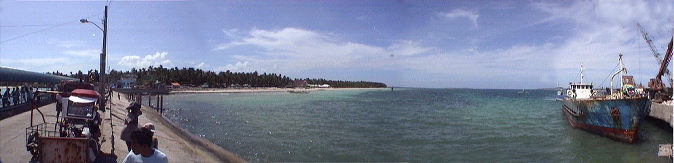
[
  {"x": 407, "y": 48},
  {"x": 201, "y": 65},
  {"x": 472, "y": 16},
  {"x": 159, "y": 58},
  {"x": 91, "y": 53},
  {"x": 244, "y": 66},
  {"x": 294, "y": 49},
  {"x": 598, "y": 31},
  {"x": 231, "y": 33},
  {"x": 66, "y": 43},
  {"x": 604, "y": 28},
  {"x": 38, "y": 61}
]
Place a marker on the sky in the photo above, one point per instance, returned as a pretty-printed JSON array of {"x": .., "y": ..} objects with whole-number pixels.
[{"x": 431, "y": 44}]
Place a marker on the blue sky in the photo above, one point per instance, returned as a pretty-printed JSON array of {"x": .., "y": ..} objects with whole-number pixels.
[{"x": 439, "y": 44}]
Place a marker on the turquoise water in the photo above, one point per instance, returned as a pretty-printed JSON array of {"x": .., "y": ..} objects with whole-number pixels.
[{"x": 416, "y": 125}]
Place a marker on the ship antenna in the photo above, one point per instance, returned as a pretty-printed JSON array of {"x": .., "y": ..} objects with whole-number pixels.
[{"x": 581, "y": 73}]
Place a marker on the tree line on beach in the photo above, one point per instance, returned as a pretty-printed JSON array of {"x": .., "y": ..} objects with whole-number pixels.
[{"x": 197, "y": 77}]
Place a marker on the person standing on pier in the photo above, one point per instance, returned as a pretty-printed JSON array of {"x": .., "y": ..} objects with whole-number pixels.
[
  {"x": 133, "y": 111},
  {"x": 15, "y": 96},
  {"x": 5, "y": 98},
  {"x": 22, "y": 94},
  {"x": 142, "y": 151},
  {"x": 2, "y": 102},
  {"x": 29, "y": 94}
]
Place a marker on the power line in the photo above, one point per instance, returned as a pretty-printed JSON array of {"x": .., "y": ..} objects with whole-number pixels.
[
  {"x": 26, "y": 25},
  {"x": 42, "y": 30},
  {"x": 34, "y": 32}
]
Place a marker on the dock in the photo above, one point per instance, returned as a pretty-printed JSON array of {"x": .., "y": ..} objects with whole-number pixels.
[
  {"x": 177, "y": 144},
  {"x": 662, "y": 111}
]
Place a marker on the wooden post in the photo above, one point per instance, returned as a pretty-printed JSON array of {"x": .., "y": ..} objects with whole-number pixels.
[
  {"x": 157, "y": 106},
  {"x": 161, "y": 108}
]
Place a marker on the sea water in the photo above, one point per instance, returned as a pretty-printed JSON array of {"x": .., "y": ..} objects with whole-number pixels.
[{"x": 415, "y": 125}]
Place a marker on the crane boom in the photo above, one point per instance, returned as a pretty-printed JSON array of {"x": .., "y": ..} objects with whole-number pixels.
[
  {"x": 659, "y": 91},
  {"x": 665, "y": 61},
  {"x": 649, "y": 42}
]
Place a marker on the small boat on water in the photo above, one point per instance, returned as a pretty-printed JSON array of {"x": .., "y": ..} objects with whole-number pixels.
[
  {"x": 523, "y": 92},
  {"x": 615, "y": 114}
]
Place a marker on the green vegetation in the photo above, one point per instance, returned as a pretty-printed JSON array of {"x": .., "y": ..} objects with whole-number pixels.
[{"x": 196, "y": 77}]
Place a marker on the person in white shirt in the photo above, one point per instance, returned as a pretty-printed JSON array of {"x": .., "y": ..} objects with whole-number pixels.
[{"x": 141, "y": 149}]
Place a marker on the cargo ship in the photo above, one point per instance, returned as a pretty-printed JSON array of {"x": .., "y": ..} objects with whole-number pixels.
[{"x": 612, "y": 113}]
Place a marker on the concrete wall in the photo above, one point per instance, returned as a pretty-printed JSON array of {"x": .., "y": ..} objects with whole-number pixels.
[{"x": 662, "y": 111}]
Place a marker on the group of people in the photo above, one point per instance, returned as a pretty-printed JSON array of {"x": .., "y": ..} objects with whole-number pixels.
[
  {"x": 17, "y": 95},
  {"x": 140, "y": 142}
]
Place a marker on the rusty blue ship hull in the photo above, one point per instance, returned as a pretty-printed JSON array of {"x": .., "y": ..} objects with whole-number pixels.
[{"x": 617, "y": 119}]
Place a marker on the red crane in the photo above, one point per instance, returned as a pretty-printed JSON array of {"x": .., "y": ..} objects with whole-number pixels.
[{"x": 656, "y": 85}]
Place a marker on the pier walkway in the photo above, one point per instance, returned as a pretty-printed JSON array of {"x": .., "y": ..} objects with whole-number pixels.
[{"x": 178, "y": 145}]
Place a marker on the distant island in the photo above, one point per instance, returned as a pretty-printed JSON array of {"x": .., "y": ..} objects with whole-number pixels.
[{"x": 194, "y": 77}]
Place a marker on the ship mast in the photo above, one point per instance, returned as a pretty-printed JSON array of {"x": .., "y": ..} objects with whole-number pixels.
[
  {"x": 581, "y": 73},
  {"x": 622, "y": 68},
  {"x": 622, "y": 71}
]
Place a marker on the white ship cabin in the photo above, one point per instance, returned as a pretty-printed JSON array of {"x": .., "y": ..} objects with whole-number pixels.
[{"x": 580, "y": 91}]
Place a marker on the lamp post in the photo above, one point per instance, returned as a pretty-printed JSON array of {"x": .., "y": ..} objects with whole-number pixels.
[{"x": 102, "y": 76}]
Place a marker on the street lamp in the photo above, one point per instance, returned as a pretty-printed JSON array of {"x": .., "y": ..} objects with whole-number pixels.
[
  {"x": 102, "y": 79},
  {"x": 84, "y": 21}
]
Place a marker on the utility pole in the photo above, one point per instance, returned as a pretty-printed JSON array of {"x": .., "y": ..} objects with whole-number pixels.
[{"x": 102, "y": 81}]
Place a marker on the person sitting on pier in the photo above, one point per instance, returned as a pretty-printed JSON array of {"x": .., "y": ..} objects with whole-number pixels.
[
  {"x": 131, "y": 121},
  {"x": 142, "y": 151},
  {"x": 94, "y": 152}
]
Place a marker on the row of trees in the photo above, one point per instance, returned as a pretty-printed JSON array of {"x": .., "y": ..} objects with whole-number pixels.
[{"x": 196, "y": 77}]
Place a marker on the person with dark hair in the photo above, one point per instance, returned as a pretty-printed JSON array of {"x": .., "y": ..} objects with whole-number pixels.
[
  {"x": 131, "y": 121},
  {"x": 94, "y": 152},
  {"x": 155, "y": 142},
  {"x": 2, "y": 104},
  {"x": 5, "y": 98},
  {"x": 29, "y": 94},
  {"x": 141, "y": 149},
  {"x": 24, "y": 94},
  {"x": 15, "y": 95}
]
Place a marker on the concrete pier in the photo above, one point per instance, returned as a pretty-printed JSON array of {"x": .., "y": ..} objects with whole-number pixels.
[
  {"x": 662, "y": 111},
  {"x": 177, "y": 144}
]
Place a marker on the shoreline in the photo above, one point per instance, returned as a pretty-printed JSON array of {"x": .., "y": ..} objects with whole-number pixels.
[{"x": 259, "y": 90}]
